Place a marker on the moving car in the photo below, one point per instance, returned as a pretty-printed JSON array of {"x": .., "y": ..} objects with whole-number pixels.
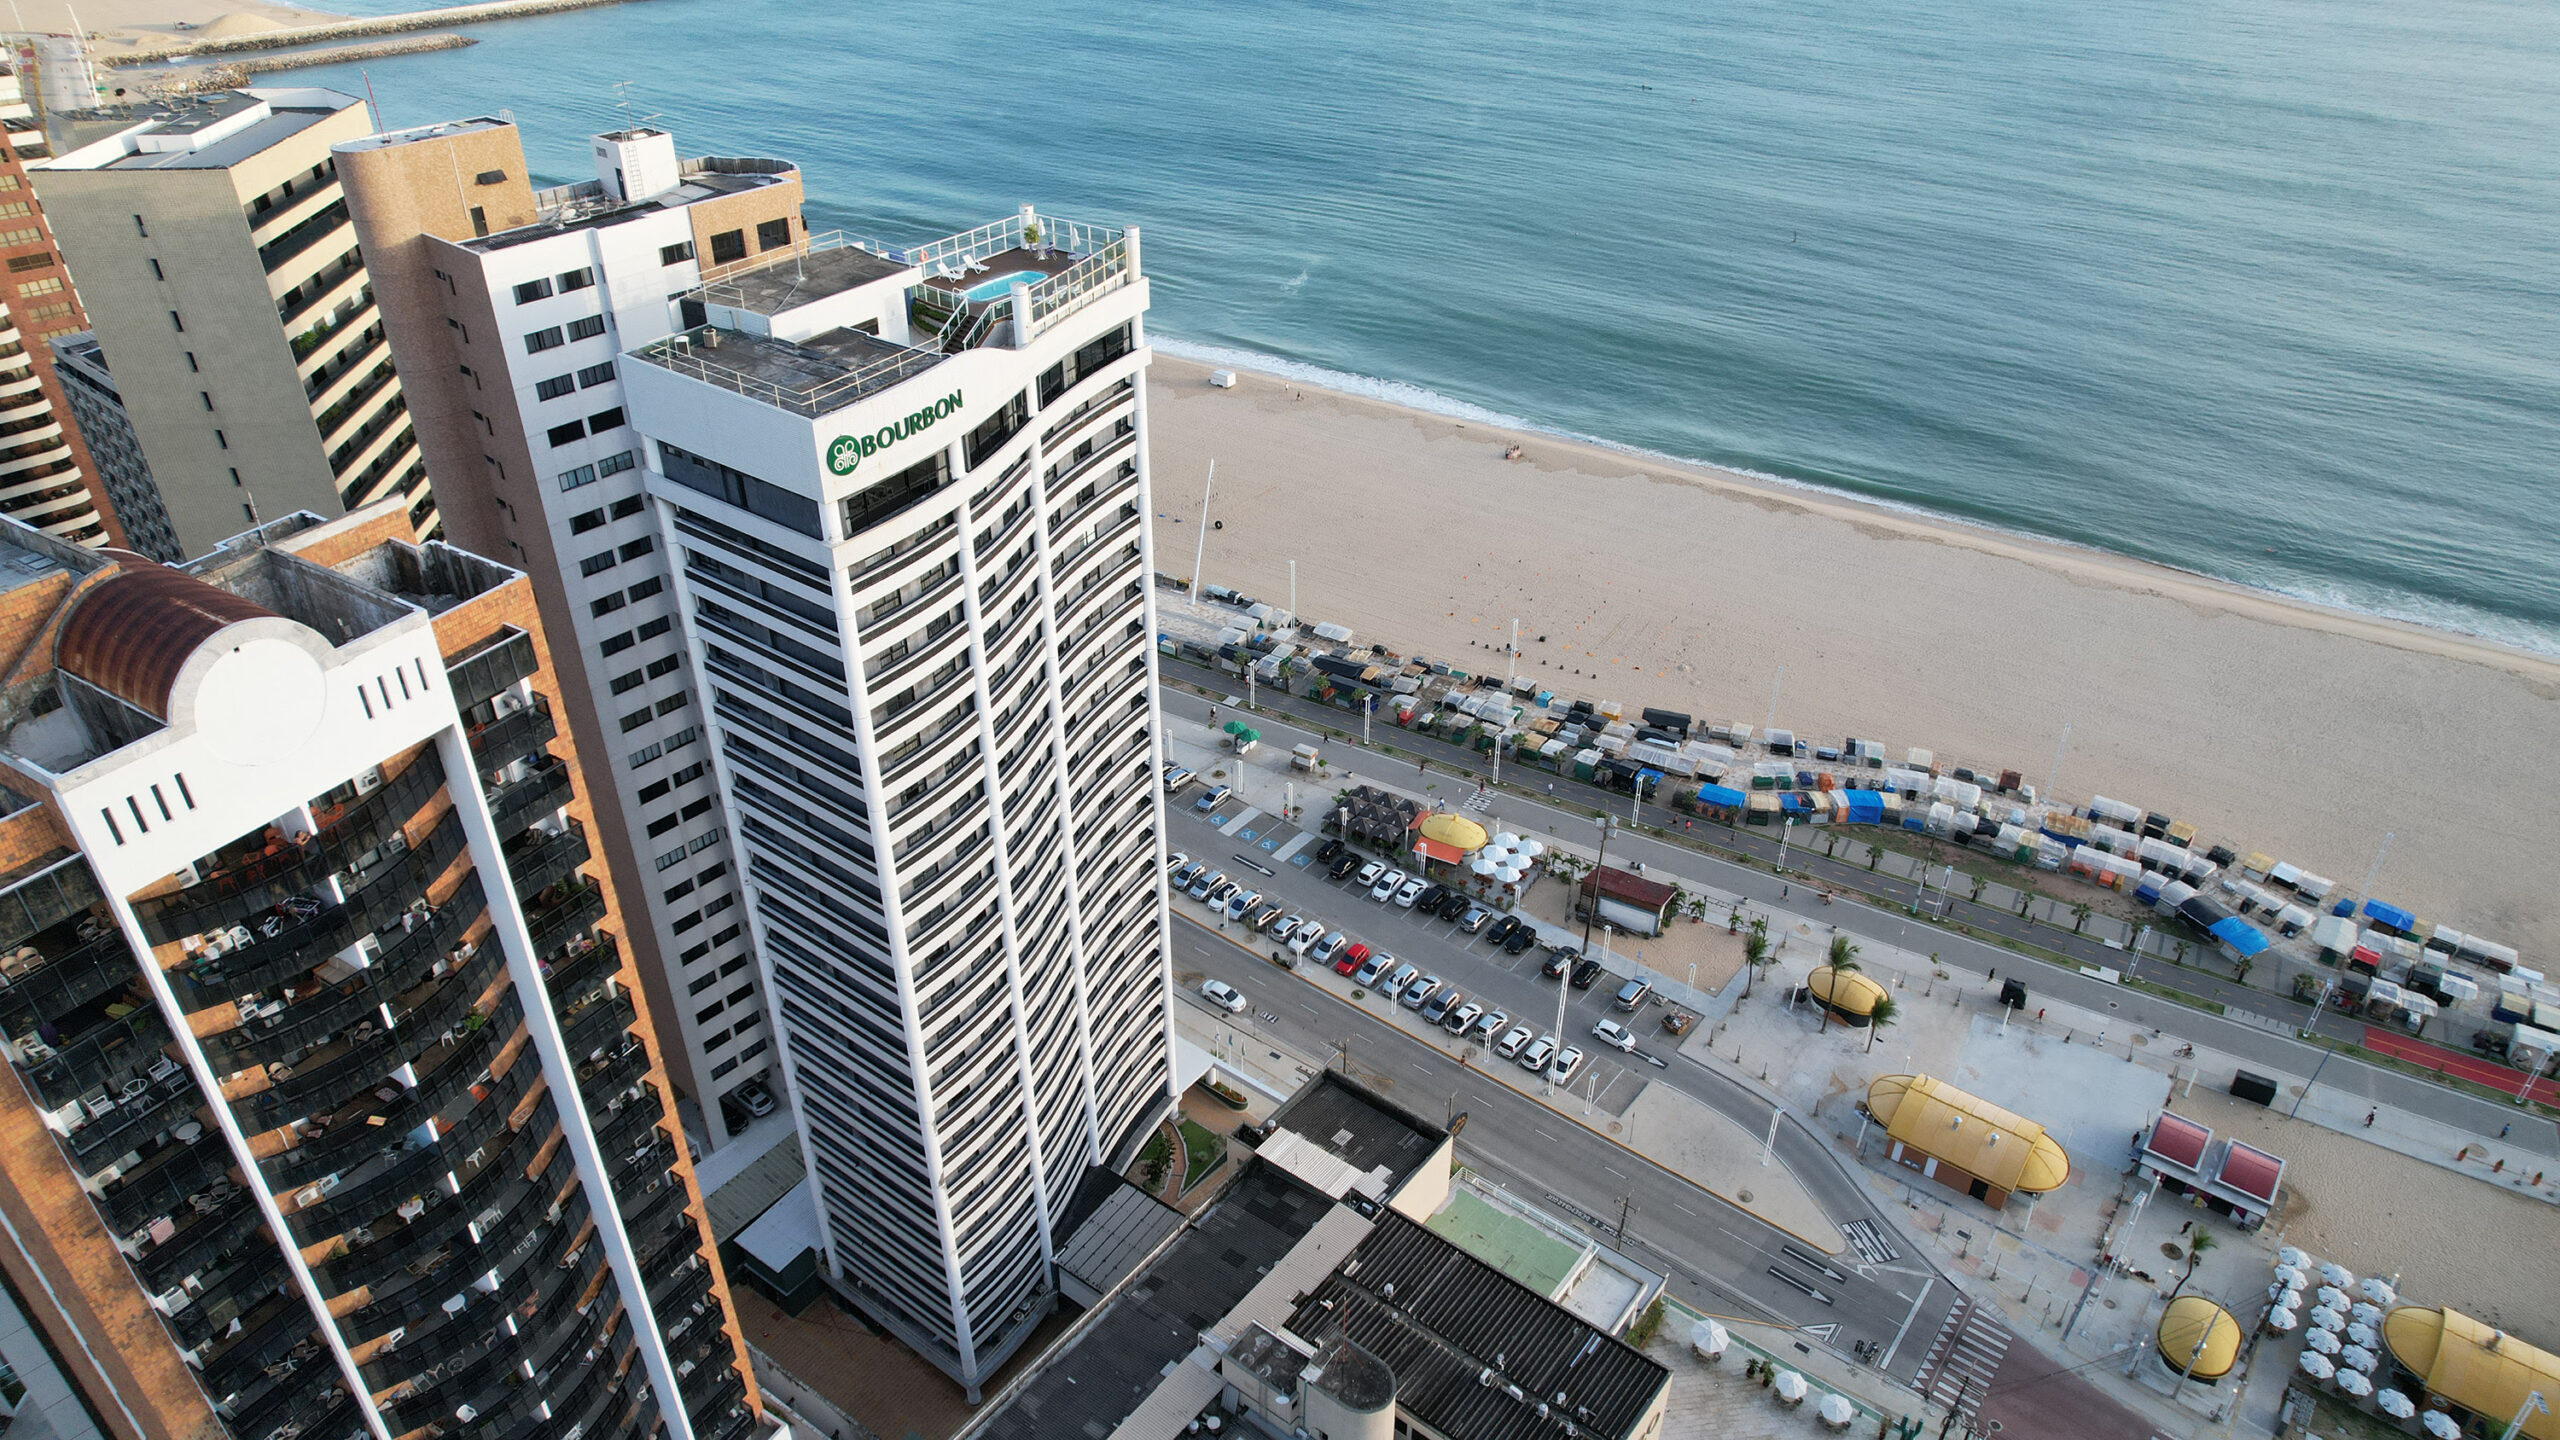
[
  {"x": 1615, "y": 1035},
  {"x": 1459, "y": 1019},
  {"x": 1215, "y": 798},
  {"x": 1223, "y": 995},
  {"x": 1476, "y": 917},
  {"x": 1408, "y": 893},
  {"x": 1484, "y": 1027},
  {"x": 1509, "y": 1047},
  {"x": 1568, "y": 1060},
  {"x": 1342, "y": 865},
  {"x": 1585, "y": 973},
  {"x": 1369, "y": 873},
  {"x": 1540, "y": 1051},
  {"x": 1420, "y": 991},
  {"x": 1385, "y": 886}
]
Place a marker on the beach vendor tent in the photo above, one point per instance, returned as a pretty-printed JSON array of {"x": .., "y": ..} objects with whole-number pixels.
[
  {"x": 2244, "y": 940},
  {"x": 1722, "y": 802}
]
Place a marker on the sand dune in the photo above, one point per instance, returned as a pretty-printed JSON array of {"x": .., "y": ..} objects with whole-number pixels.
[{"x": 2276, "y": 726}]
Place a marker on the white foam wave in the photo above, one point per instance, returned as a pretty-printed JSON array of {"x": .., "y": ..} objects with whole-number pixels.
[{"x": 2415, "y": 610}]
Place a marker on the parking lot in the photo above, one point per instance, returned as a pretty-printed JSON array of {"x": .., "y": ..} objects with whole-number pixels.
[{"x": 1274, "y": 856}]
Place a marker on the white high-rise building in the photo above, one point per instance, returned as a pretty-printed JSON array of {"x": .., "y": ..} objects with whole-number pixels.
[{"x": 905, "y": 496}]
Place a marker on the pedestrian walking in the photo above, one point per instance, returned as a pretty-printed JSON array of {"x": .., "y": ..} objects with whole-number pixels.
[
  {"x": 2183, "y": 1229},
  {"x": 2503, "y": 1129},
  {"x": 2039, "y": 1014},
  {"x": 2368, "y": 1118},
  {"x": 1213, "y": 712},
  {"x": 1785, "y": 890},
  {"x": 1993, "y": 974}
]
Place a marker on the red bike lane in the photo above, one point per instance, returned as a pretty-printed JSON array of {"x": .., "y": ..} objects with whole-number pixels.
[{"x": 2458, "y": 1064}]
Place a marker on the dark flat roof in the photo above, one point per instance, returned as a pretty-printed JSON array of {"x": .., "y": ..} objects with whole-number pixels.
[
  {"x": 798, "y": 279},
  {"x": 1121, "y": 1356},
  {"x": 1438, "y": 1316},
  {"x": 1360, "y": 1126}
]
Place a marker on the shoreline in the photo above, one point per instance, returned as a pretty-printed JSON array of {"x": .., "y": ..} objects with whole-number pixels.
[
  {"x": 1814, "y": 495},
  {"x": 2274, "y": 723}
]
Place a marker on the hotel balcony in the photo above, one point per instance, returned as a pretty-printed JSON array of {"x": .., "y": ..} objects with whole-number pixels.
[{"x": 518, "y": 735}]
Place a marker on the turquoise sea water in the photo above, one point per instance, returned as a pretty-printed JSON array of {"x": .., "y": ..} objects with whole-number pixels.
[{"x": 2265, "y": 289}]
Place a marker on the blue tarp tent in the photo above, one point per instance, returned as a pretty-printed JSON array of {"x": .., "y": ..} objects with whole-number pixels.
[
  {"x": 2148, "y": 890},
  {"x": 1866, "y": 807},
  {"x": 1793, "y": 803},
  {"x": 2243, "y": 937},
  {"x": 1717, "y": 795},
  {"x": 2390, "y": 916}
]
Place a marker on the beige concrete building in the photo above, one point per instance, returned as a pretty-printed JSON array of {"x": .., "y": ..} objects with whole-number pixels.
[
  {"x": 222, "y": 277},
  {"x": 509, "y": 309}
]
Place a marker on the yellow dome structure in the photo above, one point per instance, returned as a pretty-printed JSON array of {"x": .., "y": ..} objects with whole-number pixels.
[
  {"x": 2473, "y": 1365},
  {"x": 1456, "y": 831},
  {"x": 1965, "y": 1142},
  {"x": 2198, "y": 1339},
  {"x": 1848, "y": 993}
]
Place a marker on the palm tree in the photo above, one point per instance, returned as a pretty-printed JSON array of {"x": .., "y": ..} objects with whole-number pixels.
[
  {"x": 1844, "y": 954},
  {"x": 2079, "y": 916},
  {"x": 1755, "y": 952},
  {"x": 1884, "y": 1013},
  {"x": 2199, "y": 1245}
]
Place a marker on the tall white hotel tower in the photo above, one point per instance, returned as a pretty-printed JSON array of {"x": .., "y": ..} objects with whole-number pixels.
[
  {"x": 910, "y": 491},
  {"x": 897, "y": 502}
]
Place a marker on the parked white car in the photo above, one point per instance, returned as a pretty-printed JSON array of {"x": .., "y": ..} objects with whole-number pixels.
[
  {"x": 1540, "y": 1051},
  {"x": 1568, "y": 1060},
  {"x": 1408, "y": 892},
  {"x": 1387, "y": 885},
  {"x": 1509, "y": 1048}
]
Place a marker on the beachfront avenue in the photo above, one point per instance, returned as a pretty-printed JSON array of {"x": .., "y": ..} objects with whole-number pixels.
[{"x": 848, "y": 451}]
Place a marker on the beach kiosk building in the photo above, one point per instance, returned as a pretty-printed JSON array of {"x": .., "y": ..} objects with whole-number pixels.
[
  {"x": 1630, "y": 902},
  {"x": 2472, "y": 1370},
  {"x": 1964, "y": 1142}
]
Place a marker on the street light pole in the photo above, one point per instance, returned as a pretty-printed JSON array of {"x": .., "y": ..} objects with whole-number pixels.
[
  {"x": 2532, "y": 1402},
  {"x": 1771, "y": 1145}
]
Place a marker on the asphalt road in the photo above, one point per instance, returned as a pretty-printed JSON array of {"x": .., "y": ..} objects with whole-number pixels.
[{"x": 2139, "y": 1011}]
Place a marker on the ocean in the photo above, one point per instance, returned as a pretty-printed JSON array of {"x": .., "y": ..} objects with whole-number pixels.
[{"x": 2267, "y": 290}]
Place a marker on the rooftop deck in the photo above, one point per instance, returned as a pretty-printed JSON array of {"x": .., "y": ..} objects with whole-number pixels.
[
  {"x": 782, "y": 282},
  {"x": 811, "y": 377}
]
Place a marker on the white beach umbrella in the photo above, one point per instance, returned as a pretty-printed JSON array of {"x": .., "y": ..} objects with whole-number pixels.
[
  {"x": 2324, "y": 1318},
  {"x": 2335, "y": 1298},
  {"x": 2277, "y": 1290},
  {"x": 1707, "y": 1340},
  {"x": 2290, "y": 1276},
  {"x": 1504, "y": 840},
  {"x": 2288, "y": 1255},
  {"x": 1482, "y": 864},
  {"x": 2379, "y": 1291},
  {"x": 2317, "y": 1366},
  {"x": 1836, "y": 1412},
  {"x": 2353, "y": 1383},
  {"x": 2356, "y": 1357},
  {"x": 2291, "y": 1299},
  {"x": 1790, "y": 1387},
  {"x": 2367, "y": 1314},
  {"x": 2337, "y": 1274},
  {"x": 2362, "y": 1334},
  {"x": 2394, "y": 1404},
  {"x": 1532, "y": 849},
  {"x": 2324, "y": 1342},
  {"x": 2282, "y": 1321},
  {"x": 2442, "y": 1426}
]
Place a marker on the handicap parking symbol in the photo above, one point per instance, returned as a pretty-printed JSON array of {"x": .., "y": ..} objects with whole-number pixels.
[
  {"x": 1245, "y": 834},
  {"x": 1271, "y": 844},
  {"x": 1302, "y": 861}
]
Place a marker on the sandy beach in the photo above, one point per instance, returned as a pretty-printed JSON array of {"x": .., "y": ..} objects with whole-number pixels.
[
  {"x": 123, "y": 25},
  {"x": 2274, "y": 726}
]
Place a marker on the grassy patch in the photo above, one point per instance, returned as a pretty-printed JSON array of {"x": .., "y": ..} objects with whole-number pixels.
[
  {"x": 1153, "y": 1159},
  {"x": 1640, "y": 1334},
  {"x": 1202, "y": 1152},
  {"x": 2331, "y": 1416}
]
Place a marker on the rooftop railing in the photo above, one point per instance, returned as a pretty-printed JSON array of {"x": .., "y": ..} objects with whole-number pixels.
[{"x": 695, "y": 353}]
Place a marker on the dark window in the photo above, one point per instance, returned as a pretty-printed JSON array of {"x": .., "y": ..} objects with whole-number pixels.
[
  {"x": 628, "y": 505},
  {"x": 177, "y": 323},
  {"x": 541, "y": 340},
  {"x": 738, "y": 488},
  {"x": 533, "y": 290},
  {"x": 681, "y": 888},
  {"x": 639, "y": 547},
  {"x": 597, "y": 563},
  {"x": 626, "y": 683},
  {"x": 156, "y": 272},
  {"x": 909, "y": 486},
  {"x": 728, "y": 245},
  {"x": 207, "y": 397},
  {"x": 586, "y": 329},
  {"x": 663, "y": 665},
  {"x": 492, "y": 177},
  {"x": 563, "y": 434},
  {"x": 581, "y": 524},
  {"x": 615, "y": 464},
  {"x": 479, "y": 221},
  {"x": 655, "y": 628},
  {"x": 141, "y": 229},
  {"x": 651, "y": 792},
  {"x": 192, "y": 367},
  {"x": 675, "y": 254},
  {"x": 222, "y": 440},
  {"x": 616, "y": 644},
  {"x": 635, "y": 719},
  {"x": 236, "y": 482},
  {"x": 595, "y": 374},
  {"x": 578, "y": 279},
  {"x": 647, "y": 588},
  {"x": 997, "y": 429},
  {"x": 674, "y": 703},
  {"x": 554, "y": 388},
  {"x": 607, "y": 606},
  {"x": 773, "y": 234},
  {"x": 604, "y": 420}
]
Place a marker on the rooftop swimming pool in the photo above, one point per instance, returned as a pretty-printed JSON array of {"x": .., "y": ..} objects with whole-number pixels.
[{"x": 995, "y": 289}]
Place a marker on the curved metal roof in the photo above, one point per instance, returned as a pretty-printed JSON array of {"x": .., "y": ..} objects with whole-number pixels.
[
  {"x": 131, "y": 633},
  {"x": 2195, "y": 1329},
  {"x": 1966, "y": 1131},
  {"x": 1846, "y": 991},
  {"x": 2480, "y": 1368}
]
